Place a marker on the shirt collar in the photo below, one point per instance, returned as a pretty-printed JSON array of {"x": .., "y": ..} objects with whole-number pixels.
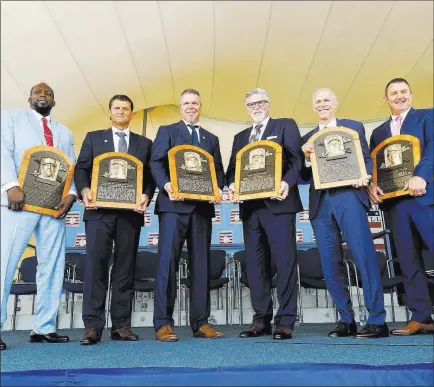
[
  {"x": 331, "y": 124},
  {"x": 403, "y": 115},
  {"x": 264, "y": 123},
  {"x": 187, "y": 123},
  {"x": 40, "y": 116},
  {"x": 126, "y": 131}
]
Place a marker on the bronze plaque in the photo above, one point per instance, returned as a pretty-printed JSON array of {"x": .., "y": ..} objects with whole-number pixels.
[
  {"x": 258, "y": 170},
  {"x": 337, "y": 159},
  {"x": 45, "y": 176},
  {"x": 394, "y": 162},
  {"x": 192, "y": 173},
  {"x": 117, "y": 180}
]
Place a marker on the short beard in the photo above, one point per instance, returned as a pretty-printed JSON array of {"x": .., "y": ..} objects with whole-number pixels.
[{"x": 43, "y": 111}]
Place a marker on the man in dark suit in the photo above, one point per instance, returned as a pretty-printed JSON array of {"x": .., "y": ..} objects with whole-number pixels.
[
  {"x": 269, "y": 224},
  {"x": 181, "y": 220},
  {"x": 105, "y": 226},
  {"x": 410, "y": 218},
  {"x": 343, "y": 209}
]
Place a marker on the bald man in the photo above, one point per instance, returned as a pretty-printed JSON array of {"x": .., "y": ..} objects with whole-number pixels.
[
  {"x": 343, "y": 209},
  {"x": 21, "y": 130}
]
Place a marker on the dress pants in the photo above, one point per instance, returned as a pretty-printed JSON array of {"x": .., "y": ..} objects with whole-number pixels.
[
  {"x": 341, "y": 210},
  {"x": 17, "y": 228},
  {"x": 265, "y": 232},
  {"x": 123, "y": 228},
  {"x": 409, "y": 220},
  {"x": 174, "y": 230}
]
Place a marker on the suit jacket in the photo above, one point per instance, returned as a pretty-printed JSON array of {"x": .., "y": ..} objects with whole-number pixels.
[
  {"x": 169, "y": 136},
  {"x": 101, "y": 141},
  {"x": 20, "y": 131},
  {"x": 306, "y": 173},
  {"x": 418, "y": 123},
  {"x": 283, "y": 131}
]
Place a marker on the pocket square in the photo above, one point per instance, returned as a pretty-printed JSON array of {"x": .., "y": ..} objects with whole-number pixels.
[{"x": 270, "y": 137}]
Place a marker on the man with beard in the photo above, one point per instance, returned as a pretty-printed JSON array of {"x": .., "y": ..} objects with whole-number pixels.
[
  {"x": 262, "y": 217},
  {"x": 181, "y": 220},
  {"x": 20, "y": 130},
  {"x": 410, "y": 218}
]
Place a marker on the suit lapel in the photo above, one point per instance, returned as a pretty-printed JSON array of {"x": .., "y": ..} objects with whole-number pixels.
[
  {"x": 183, "y": 133},
  {"x": 56, "y": 133},
  {"x": 107, "y": 141},
  {"x": 36, "y": 127},
  {"x": 409, "y": 122},
  {"x": 133, "y": 145},
  {"x": 268, "y": 129}
]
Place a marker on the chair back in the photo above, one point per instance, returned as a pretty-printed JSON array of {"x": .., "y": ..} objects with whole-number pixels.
[
  {"x": 146, "y": 266},
  {"x": 73, "y": 257},
  {"x": 428, "y": 261},
  {"x": 217, "y": 264},
  {"x": 28, "y": 269},
  {"x": 381, "y": 263},
  {"x": 309, "y": 263}
]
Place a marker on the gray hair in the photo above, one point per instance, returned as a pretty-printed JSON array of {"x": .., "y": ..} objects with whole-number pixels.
[
  {"x": 189, "y": 91},
  {"x": 323, "y": 89},
  {"x": 257, "y": 91}
]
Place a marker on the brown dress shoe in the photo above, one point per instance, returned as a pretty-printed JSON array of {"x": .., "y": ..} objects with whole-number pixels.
[
  {"x": 91, "y": 336},
  {"x": 124, "y": 334},
  {"x": 414, "y": 328},
  {"x": 166, "y": 334},
  {"x": 206, "y": 331}
]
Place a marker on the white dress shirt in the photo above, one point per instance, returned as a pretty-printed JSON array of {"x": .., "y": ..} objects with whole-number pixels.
[
  {"x": 190, "y": 130},
  {"x": 393, "y": 119},
  {"x": 331, "y": 124},
  {"x": 8, "y": 186},
  {"x": 116, "y": 138},
  {"x": 261, "y": 132}
]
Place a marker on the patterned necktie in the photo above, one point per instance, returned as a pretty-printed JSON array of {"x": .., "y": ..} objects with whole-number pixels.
[
  {"x": 122, "y": 142},
  {"x": 194, "y": 137},
  {"x": 47, "y": 132},
  {"x": 256, "y": 134},
  {"x": 397, "y": 126}
]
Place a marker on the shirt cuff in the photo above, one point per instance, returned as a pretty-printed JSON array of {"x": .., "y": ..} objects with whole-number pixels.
[
  {"x": 6, "y": 187},
  {"x": 72, "y": 192},
  {"x": 307, "y": 164}
]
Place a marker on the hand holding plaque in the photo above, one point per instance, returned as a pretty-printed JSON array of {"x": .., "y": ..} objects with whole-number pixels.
[
  {"x": 192, "y": 173},
  {"x": 337, "y": 158},
  {"x": 45, "y": 176},
  {"x": 258, "y": 171},
  {"x": 117, "y": 181},
  {"x": 394, "y": 161}
]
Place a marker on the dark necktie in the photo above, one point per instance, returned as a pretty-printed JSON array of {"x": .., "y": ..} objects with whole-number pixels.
[
  {"x": 256, "y": 134},
  {"x": 47, "y": 132},
  {"x": 122, "y": 142},
  {"x": 194, "y": 137}
]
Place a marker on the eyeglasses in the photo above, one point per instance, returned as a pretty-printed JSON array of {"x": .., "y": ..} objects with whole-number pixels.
[{"x": 260, "y": 104}]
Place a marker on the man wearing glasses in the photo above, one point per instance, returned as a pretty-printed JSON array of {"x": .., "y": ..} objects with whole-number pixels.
[{"x": 262, "y": 217}]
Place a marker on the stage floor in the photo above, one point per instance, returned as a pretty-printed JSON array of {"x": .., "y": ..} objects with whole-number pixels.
[{"x": 309, "y": 349}]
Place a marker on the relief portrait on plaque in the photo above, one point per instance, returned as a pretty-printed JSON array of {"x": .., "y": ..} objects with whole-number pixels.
[
  {"x": 258, "y": 170},
  {"x": 337, "y": 160},
  {"x": 192, "y": 173},
  {"x": 45, "y": 176},
  {"x": 117, "y": 180},
  {"x": 394, "y": 162}
]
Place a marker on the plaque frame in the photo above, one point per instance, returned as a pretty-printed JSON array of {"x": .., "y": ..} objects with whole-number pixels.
[
  {"x": 359, "y": 157},
  {"x": 95, "y": 178},
  {"x": 416, "y": 158},
  {"x": 174, "y": 174},
  {"x": 277, "y": 171},
  {"x": 24, "y": 168}
]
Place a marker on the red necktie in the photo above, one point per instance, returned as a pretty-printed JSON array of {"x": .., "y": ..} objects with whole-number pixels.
[{"x": 47, "y": 132}]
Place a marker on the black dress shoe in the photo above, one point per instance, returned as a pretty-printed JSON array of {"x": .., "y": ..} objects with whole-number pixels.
[
  {"x": 2, "y": 345},
  {"x": 282, "y": 333},
  {"x": 91, "y": 336},
  {"x": 373, "y": 331},
  {"x": 48, "y": 338},
  {"x": 255, "y": 331},
  {"x": 124, "y": 334},
  {"x": 344, "y": 329}
]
